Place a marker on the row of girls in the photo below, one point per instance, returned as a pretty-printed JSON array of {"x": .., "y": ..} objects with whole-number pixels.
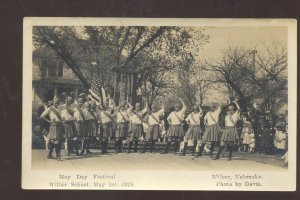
[{"x": 81, "y": 121}]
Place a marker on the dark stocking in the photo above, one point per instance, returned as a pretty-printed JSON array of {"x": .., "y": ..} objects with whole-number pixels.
[
  {"x": 51, "y": 148},
  {"x": 152, "y": 145},
  {"x": 120, "y": 146},
  {"x": 167, "y": 147},
  {"x": 145, "y": 147},
  {"x": 135, "y": 145},
  {"x": 88, "y": 145},
  {"x": 219, "y": 152},
  {"x": 212, "y": 149},
  {"x": 70, "y": 146},
  {"x": 230, "y": 148},
  {"x": 194, "y": 147},
  {"x": 184, "y": 149},
  {"x": 201, "y": 149},
  {"x": 130, "y": 146},
  {"x": 117, "y": 145},
  {"x": 83, "y": 146},
  {"x": 102, "y": 147}
]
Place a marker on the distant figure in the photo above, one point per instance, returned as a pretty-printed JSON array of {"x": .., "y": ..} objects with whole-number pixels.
[
  {"x": 280, "y": 139},
  {"x": 266, "y": 140},
  {"x": 247, "y": 131},
  {"x": 252, "y": 143}
]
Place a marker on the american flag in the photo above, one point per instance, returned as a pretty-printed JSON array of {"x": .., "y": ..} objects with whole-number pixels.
[{"x": 94, "y": 91}]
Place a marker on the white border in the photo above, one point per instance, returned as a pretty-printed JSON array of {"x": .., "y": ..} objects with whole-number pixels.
[{"x": 151, "y": 180}]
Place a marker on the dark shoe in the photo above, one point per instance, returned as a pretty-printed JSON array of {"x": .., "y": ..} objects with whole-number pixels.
[
  {"x": 135, "y": 147},
  {"x": 216, "y": 158},
  {"x": 145, "y": 147},
  {"x": 88, "y": 151},
  {"x": 50, "y": 157},
  {"x": 82, "y": 152},
  {"x": 229, "y": 159},
  {"x": 58, "y": 158},
  {"x": 199, "y": 154}
]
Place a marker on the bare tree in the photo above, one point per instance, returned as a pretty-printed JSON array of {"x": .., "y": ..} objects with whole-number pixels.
[
  {"x": 202, "y": 81},
  {"x": 246, "y": 80}
]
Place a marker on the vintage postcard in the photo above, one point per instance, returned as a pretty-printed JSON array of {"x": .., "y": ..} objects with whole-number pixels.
[{"x": 159, "y": 104}]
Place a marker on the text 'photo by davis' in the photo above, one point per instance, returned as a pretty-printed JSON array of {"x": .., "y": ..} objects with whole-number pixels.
[{"x": 196, "y": 97}]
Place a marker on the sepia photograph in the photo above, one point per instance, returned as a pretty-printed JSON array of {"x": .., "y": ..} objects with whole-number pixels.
[{"x": 159, "y": 104}]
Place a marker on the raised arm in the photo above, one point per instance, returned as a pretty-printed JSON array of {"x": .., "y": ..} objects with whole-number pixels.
[
  {"x": 111, "y": 103},
  {"x": 130, "y": 107},
  {"x": 169, "y": 118},
  {"x": 145, "y": 109},
  {"x": 184, "y": 107},
  {"x": 187, "y": 119},
  {"x": 237, "y": 106},
  {"x": 162, "y": 109},
  {"x": 219, "y": 109},
  {"x": 201, "y": 112},
  {"x": 205, "y": 119}
]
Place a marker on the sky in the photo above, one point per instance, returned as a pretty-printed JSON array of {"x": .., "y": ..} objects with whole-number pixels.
[{"x": 252, "y": 37}]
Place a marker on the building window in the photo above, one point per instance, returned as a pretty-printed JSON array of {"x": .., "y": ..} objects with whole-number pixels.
[
  {"x": 60, "y": 70},
  {"x": 52, "y": 68}
]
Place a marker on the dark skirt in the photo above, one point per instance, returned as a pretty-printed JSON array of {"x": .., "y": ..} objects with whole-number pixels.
[
  {"x": 193, "y": 133},
  {"x": 229, "y": 134},
  {"x": 91, "y": 128},
  {"x": 70, "y": 129},
  {"x": 136, "y": 130},
  {"x": 80, "y": 129},
  {"x": 175, "y": 131},
  {"x": 211, "y": 133},
  {"x": 56, "y": 131},
  {"x": 153, "y": 132},
  {"x": 107, "y": 131},
  {"x": 122, "y": 130}
]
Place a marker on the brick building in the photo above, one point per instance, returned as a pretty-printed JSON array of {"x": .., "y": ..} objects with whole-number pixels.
[{"x": 51, "y": 77}]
